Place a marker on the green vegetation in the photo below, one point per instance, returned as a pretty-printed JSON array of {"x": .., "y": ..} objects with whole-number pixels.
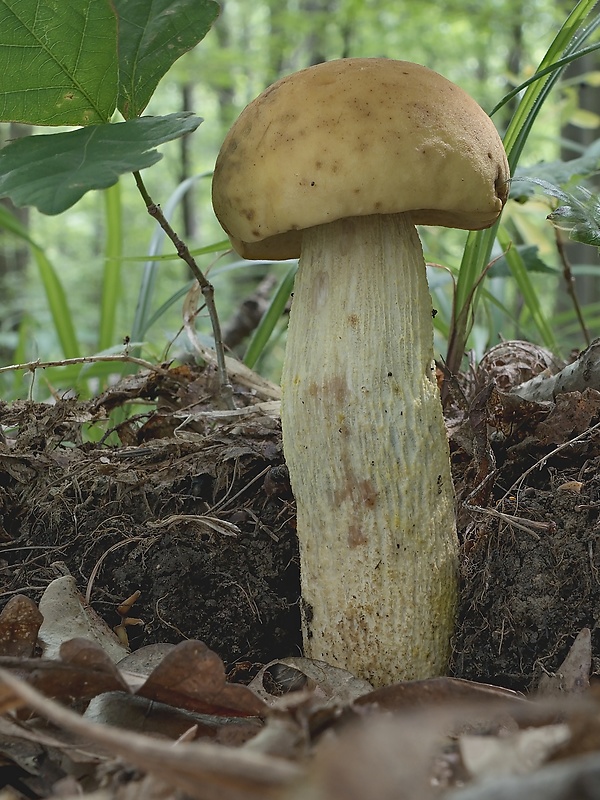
[{"x": 87, "y": 268}]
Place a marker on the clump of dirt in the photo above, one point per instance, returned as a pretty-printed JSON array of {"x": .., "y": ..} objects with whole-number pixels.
[{"x": 198, "y": 518}]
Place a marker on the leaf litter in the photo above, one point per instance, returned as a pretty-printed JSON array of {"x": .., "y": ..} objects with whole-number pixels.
[{"x": 181, "y": 536}]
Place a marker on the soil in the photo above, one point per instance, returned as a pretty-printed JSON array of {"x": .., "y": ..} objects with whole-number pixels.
[
  {"x": 193, "y": 508},
  {"x": 197, "y": 518}
]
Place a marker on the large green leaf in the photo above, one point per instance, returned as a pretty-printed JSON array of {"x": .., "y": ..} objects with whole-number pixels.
[
  {"x": 58, "y": 61},
  {"x": 153, "y": 34},
  {"x": 53, "y": 172}
]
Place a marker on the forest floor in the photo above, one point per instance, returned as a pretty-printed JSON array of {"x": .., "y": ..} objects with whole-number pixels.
[{"x": 184, "y": 532}]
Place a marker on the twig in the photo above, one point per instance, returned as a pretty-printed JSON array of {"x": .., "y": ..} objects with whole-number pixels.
[
  {"x": 98, "y": 564},
  {"x": 31, "y": 366},
  {"x": 206, "y": 288},
  {"x": 570, "y": 282},
  {"x": 521, "y": 523},
  {"x": 542, "y": 461}
]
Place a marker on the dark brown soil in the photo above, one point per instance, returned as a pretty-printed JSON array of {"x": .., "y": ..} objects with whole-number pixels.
[
  {"x": 200, "y": 523},
  {"x": 199, "y": 518},
  {"x": 531, "y": 559}
]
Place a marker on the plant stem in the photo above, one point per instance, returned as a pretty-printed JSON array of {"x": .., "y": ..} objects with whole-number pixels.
[
  {"x": 570, "y": 283},
  {"x": 207, "y": 289}
]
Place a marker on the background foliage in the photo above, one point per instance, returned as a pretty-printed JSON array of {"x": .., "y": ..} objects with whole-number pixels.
[{"x": 81, "y": 282}]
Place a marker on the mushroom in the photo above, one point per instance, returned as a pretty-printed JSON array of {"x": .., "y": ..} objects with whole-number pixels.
[{"x": 336, "y": 164}]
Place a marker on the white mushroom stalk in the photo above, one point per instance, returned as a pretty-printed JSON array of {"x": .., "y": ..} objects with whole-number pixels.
[
  {"x": 365, "y": 444},
  {"x": 336, "y": 164}
]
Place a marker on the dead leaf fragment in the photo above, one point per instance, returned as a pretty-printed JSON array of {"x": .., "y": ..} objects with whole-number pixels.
[
  {"x": 516, "y": 753},
  {"x": 435, "y": 692},
  {"x": 134, "y": 713},
  {"x": 380, "y": 758},
  {"x": 570, "y": 486},
  {"x": 137, "y": 666},
  {"x": 575, "y": 779},
  {"x": 573, "y": 675},
  {"x": 20, "y": 622}
]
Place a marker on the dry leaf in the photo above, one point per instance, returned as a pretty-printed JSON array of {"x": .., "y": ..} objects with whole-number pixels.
[
  {"x": 192, "y": 676},
  {"x": 132, "y": 713},
  {"x": 20, "y": 622},
  {"x": 380, "y": 758},
  {"x": 205, "y": 771},
  {"x": 67, "y": 616},
  {"x": 435, "y": 692},
  {"x": 573, "y": 675},
  {"x": 333, "y": 685},
  {"x": 576, "y": 779},
  {"x": 516, "y": 753},
  {"x": 137, "y": 666}
]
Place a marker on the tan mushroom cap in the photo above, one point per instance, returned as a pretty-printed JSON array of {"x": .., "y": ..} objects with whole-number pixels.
[{"x": 355, "y": 137}]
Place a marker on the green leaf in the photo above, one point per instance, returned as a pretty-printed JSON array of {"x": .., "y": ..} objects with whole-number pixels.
[
  {"x": 9, "y": 222},
  {"x": 153, "y": 34},
  {"x": 558, "y": 173},
  {"x": 579, "y": 212},
  {"x": 53, "y": 172},
  {"x": 530, "y": 257},
  {"x": 579, "y": 26},
  {"x": 58, "y": 61}
]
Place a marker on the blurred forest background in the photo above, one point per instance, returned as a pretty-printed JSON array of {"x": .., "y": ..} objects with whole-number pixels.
[{"x": 104, "y": 249}]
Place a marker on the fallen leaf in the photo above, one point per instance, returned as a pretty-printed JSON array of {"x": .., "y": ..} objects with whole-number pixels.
[
  {"x": 192, "y": 676},
  {"x": 20, "y": 622},
  {"x": 205, "y": 771},
  {"x": 516, "y": 753},
  {"x": 69, "y": 683},
  {"x": 573, "y": 675},
  {"x": 134, "y": 713},
  {"x": 137, "y": 666},
  {"x": 380, "y": 758},
  {"x": 334, "y": 685},
  {"x": 573, "y": 413},
  {"x": 575, "y": 779},
  {"x": 68, "y": 616},
  {"x": 435, "y": 692}
]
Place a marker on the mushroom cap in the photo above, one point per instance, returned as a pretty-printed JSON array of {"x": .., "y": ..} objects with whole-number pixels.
[{"x": 354, "y": 137}]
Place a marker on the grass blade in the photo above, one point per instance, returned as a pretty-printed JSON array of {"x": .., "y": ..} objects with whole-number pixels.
[
  {"x": 55, "y": 293},
  {"x": 519, "y": 272},
  {"x": 57, "y": 301},
  {"x": 272, "y": 315}
]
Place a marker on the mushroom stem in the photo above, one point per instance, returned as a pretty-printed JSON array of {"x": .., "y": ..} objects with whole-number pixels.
[{"x": 366, "y": 448}]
